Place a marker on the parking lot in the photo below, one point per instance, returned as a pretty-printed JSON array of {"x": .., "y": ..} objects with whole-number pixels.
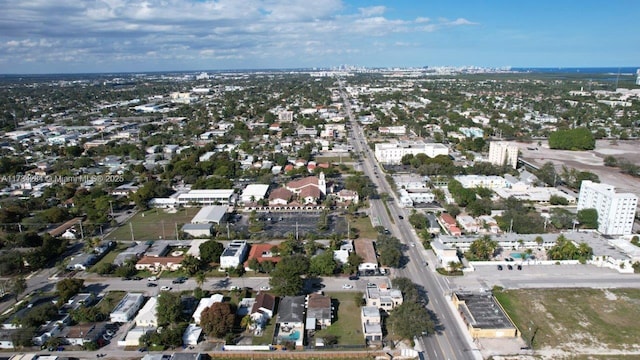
[
  {"x": 281, "y": 224},
  {"x": 485, "y": 277}
]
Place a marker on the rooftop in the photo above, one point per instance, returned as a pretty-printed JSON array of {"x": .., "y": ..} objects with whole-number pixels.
[{"x": 483, "y": 311}]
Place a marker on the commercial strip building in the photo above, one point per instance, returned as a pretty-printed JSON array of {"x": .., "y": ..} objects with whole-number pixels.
[
  {"x": 483, "y": 315},
  {"x": 616, "y": 211}
]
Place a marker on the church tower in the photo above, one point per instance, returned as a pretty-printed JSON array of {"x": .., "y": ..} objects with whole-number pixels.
[{"x": 322, "y": 184}]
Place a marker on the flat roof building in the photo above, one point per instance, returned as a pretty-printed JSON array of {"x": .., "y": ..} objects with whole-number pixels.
[
  {"x": 364, "y": 248},
  {"x": 392, "y": 152},
  {"x": 254, "y": 192},
  {"x": 210, "y": 214},
  {"x": 234, "y": 254},
  {"x": 127, "y": 307},
  {"x": 484, "y": 316},
  {"x": 206, "y": 197}
]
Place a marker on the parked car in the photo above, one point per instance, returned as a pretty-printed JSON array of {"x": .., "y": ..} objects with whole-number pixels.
[
  {"x": 165, "y": 288},
  {"x": 151, "y": 284},
  {"x": 500, "y": 267},
  {"x": 519, "y": 267},
  {"x": 347, "y": 286},
  {"x": 353, "y": 277},
  {"x": 265, "y": 288},
  {"x": 400, "y": 217},
  {"x": 152, "y": 278},
  {"x": 509, "y": 267},
  {"x": 179, "y": 280},
  {"x": 136, "y": 278}
]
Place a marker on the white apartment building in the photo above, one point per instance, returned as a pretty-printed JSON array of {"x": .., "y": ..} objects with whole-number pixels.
[
  {"x": 392, "y": 152},
  {"x": 206, "y": 197},
  {"x": 616, "y": 212},
  {"x": 234, "y": 254},
  {"x": 486, "y": 181},
  {"x": 501, "y": 153}
]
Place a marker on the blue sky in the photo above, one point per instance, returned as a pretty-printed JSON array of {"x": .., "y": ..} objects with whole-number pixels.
[{"x": 70, "y": 36}]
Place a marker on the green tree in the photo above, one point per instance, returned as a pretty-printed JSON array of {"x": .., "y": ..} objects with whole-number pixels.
[
  {"x": 210, "y": 251},
  {"x": 169, "y": 308},
  {"x": 217, "y": 320},
  {"x": 323, "y": 264},
  {"x": 191, "y": 264},
  {"x": 407, "y": 287},
  {"x": 588, "y": 218},
  {"x": 390, "y": 250},
  {"x": 558, "y": 200},
  {"x": 67, "y": 288},
  {"x": 286, "y": 278},
  {"x": 572, "y": 139},
  {"x": 17, "y": 286},
  {"x": 482, "y": 249},
  {"x": 409, "y": 320}
]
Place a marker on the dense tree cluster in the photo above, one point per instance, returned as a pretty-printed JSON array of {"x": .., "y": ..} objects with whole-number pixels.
[
  {"x": 573, "y": 139},
  {"x": 390, "y": 250},
  {"x": 482, "y": 249},
  {"x": 565, "y": 249}
]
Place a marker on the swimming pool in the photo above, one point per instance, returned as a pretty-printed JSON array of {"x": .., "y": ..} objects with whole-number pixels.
[{"x": 517, "y": 255}]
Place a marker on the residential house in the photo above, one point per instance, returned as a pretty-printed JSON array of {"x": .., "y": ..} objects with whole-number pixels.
[
  {"x": 342, "y": 254},
  {"x": 205, "y": 303},
  {"x": 82, "y": 333},
  {"x": 371, "y": 323},
  {"x": 364, "y": 248},
  {"x": 262, "y": 253},
  {"x": 262, "y": 309},
  {"x": 156, "y": 264},
  {"x": 148, "y": 315},
  {"x": 290, "y": 324},
  {"x": 319, "y": 311},
  {"x": 191, "y": 335},
  {"x": 127, "y": 307},
  {"x": 382, "y": 297}
]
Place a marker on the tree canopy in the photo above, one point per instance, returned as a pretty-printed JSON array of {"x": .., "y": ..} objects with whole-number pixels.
[
  {"x": 573, "y": 139},
  {"x": 210, "y": 251},
  {"x": 286, "y": 278},
  {"x": 217, "y": 320},
  {"x": 409, "y": 320}
]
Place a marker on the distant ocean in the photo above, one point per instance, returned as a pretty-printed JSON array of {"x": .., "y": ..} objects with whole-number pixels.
[{"x": 582, "y": 70}]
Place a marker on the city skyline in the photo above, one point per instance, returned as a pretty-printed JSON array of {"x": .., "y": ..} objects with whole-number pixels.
[{"x": 128, "y": 36}]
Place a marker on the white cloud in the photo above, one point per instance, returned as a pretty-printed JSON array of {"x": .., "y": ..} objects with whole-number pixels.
[
  {"x": 249, "y": 30},
  {"x": 372, "y": 11}
]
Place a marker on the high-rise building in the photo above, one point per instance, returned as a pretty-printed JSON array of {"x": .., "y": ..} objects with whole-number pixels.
[
  {"x": 503, "y": 153},
  {"x": 616, "y": 212},
  {"x": 638, "y": 77}
]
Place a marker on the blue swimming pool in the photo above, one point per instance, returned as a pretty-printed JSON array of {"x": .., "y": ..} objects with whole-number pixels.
[{"x": 517, "y": 255}]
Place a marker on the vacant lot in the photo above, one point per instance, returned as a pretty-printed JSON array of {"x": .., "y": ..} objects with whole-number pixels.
[
  {"x": 365, "y": 229},
  {"x": 347, "y": 327},
  {"x": 154, "y": 224},
  {"x": 576, "y": 322}
]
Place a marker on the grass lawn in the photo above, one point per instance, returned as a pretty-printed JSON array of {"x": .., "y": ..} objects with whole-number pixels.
[
  {"x": 154, "y": 224},
  {"x": 111, "y": 255},
  {"x": 364, "y": 227},
  {"x": 332, "y": 159},
  {"x": 579, "y": 321},
  {"x": 109, "y": 301},
  {"x": 267, "y": 334},
  {"x": 347, "y": 327}
]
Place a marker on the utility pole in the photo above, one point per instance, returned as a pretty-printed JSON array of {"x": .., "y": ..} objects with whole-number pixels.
[
  {"x": 297, "y": 231},
  {"x": 511, "y": 226},
  {"x": 131, "y": 229},
  {"x": 177, "y": 235},
  {"x": 111, "y": 208},
  {"x": 228, "y": 232},
  {"x": 163, "y": 236},
  {"x": 81, "y": 231}
]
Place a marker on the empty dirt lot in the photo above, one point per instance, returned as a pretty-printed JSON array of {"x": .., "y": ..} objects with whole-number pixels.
[{"x": 590, "y": 160}]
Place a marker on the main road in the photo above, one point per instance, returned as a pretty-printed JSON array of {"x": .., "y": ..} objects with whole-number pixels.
[{"x": 450, "y": 340}]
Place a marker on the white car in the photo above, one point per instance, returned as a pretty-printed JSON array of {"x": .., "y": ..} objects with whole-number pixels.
[
  {"x": 153, "y": 278},
  {"x": 265, "y": 288},
  {"x": 165, "y": 288},
  {"x": 347, "y": 286}
]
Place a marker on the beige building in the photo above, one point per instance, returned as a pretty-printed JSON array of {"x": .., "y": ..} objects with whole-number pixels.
[
  {"x": 382, "y": 297},
  {"x": 501, "y": 153},
  {"x": 484, "y": 316}
]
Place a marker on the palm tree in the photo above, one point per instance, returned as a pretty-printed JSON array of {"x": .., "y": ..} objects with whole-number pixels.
[
  {"x": 191, "y": 264},
  {"x": 200, "y": 278},
  {"x": 454, "y": 266}
]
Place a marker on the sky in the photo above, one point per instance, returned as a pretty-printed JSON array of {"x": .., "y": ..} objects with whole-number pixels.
[{"x": 77, "y": 36}]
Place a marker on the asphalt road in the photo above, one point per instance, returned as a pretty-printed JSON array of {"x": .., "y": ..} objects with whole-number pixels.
[{"x": 450, "y": 341}]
